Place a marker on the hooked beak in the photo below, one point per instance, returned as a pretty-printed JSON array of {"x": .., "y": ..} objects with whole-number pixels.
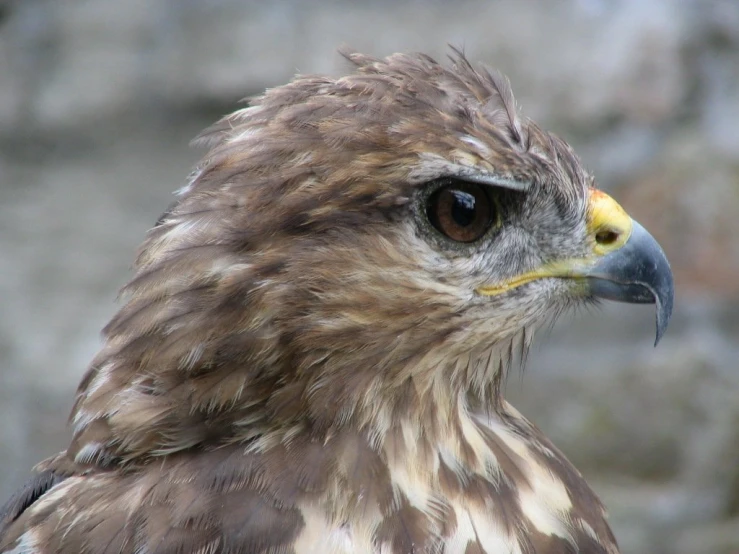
[
  {"x": 638, "y": 273},
  {"x": 626, "y": 264}
]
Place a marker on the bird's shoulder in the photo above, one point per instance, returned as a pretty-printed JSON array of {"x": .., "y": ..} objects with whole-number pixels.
[
  {"x": 501, "y": 488},
  {"x": 225, "y": 500}
]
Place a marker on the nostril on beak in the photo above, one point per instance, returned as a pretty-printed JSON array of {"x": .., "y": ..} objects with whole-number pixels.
[{"x": 607, "y": 237}]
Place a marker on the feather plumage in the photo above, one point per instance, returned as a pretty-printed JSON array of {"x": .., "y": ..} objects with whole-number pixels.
[{"x": 299, "y": 367}]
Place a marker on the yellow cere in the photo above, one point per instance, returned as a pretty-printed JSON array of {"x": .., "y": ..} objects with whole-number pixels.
[{"x": 608, "y": 222}]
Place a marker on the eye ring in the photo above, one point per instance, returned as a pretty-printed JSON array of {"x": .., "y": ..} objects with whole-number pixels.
[{"x": 462, "y": 211}]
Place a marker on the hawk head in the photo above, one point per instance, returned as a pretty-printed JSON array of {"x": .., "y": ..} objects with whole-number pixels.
[
  {"x": 309, "y": 356},
  {"x": 352, "y": 251}
]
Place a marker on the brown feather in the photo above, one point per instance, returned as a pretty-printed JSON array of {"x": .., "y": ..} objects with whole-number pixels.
[{"x": 300, "y": 366}]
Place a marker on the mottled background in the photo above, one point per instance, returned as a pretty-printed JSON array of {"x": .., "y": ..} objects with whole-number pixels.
[{"x": 98, "y": 100}]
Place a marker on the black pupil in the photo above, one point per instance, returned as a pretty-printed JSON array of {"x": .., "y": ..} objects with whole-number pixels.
[{"x": 463, "y": 210}]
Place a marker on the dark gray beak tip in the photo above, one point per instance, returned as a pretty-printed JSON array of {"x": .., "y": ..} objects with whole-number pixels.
[
  {"x": 637, "y": 273},
  {"x": 664, "y": 294},
  {"x": 664, "y": 313}
]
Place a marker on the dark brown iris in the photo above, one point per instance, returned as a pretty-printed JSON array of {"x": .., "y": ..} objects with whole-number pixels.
[{"x": 461, "y": 211}]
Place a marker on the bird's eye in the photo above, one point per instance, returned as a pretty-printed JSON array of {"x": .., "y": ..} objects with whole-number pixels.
[{"x": 461, "y": 211}]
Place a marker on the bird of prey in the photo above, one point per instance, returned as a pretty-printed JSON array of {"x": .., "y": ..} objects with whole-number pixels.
[{"x": 310, "y": 355}]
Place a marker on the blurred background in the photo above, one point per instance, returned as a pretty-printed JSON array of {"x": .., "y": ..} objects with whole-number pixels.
[{"x": 98, "y": 101}]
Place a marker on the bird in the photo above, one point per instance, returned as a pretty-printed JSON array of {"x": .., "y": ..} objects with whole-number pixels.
[{"x": 310, "y": 356}]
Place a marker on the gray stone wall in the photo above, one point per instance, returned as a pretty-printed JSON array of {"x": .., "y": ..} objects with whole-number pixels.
[{"x": 98, "y": 100}]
